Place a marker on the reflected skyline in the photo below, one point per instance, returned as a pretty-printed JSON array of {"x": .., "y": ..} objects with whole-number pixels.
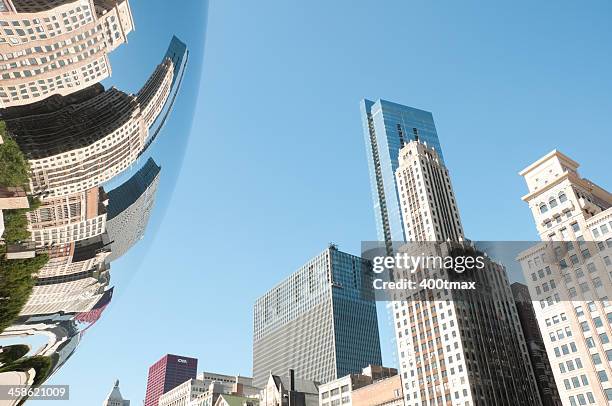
[{"x": 72, "y": 138}]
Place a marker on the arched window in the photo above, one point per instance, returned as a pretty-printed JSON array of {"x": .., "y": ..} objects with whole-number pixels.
[
  {"x": 552, "y": 202},
  {"x": 562, "y": 197},
  {"x": 543, "y": 208}
]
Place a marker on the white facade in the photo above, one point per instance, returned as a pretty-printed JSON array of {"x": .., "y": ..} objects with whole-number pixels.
[
  {"x": 206, "y": 388},
  {"x": 428, "y": 207},
  {"x": 70, "y": 296},
  {"x": 80, "y": 168},
  {"x": 62, "y": 264},
  {"x": 569, "y": 277},
  {"x": 69, "y": 218},
  {"x": 48, "y": 49},
  {"x": 183, "y": 394},
  {"x": 439, "y": 362}
]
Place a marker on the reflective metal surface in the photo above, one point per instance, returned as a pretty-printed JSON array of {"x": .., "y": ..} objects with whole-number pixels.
[{"x": 93, "y": 136}]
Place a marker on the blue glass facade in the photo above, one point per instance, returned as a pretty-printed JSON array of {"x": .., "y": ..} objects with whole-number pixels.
[
  {"x": 387, "y": 126},
  {"x": 355, "y": 321},
  {"x": 177, "y": 51},
  {"x": 320, "y": 321}
]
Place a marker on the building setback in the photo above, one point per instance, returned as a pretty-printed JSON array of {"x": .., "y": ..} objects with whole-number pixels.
[
  {"x": 387, "y": 127},
  {"x": 320, "y": 321},
  {"x": 568, "y": 276},
  {"x": 57, "y": 47}
]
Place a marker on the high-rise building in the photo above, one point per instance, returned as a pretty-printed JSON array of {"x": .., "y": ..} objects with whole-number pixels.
[
  {"x": 129, "y": 209},
  {"x": 74, "y": 258},
  {"x": 87, "y": 143},
  {"x": 387, "y": 127},
  {"x": 568, "y": 276},
  {"x": 114, "y": 398},
  {"x": 428, "y": 205},
  {"x": 69, "y": 218},
  {"x": 320, "y": 321},
  {"x": 74, "y": 293},
  {"x": 57, "y": 47},
  {"x": 168, "y": 373},
  {"x": 535, "y": 345},
  {"x": 460, "y": 347}
]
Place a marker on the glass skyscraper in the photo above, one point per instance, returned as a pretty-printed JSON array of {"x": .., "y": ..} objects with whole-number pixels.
[
  {"x": 321, "y": 321},
  {"x": 387, "y": 127}
]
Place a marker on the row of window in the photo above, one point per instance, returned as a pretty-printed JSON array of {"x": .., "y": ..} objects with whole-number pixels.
[{"x": 552, "y": 202}]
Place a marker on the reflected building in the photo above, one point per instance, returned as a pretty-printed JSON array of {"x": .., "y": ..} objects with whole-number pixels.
[
  {"x": 76, "y": 257},
  {"x": 77, "y": 135},
  {"x": 74, "y": 293},
  {"x": 52, "y": 47},
  {"x": 319, "y": 321},
  {"x": 69, "y": 218},
  {"x": 130, "y": 207},
  {"x": 91, "y": 141}
]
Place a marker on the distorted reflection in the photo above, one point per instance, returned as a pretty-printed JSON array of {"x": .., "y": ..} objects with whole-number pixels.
[{"x": 63, "y": 138}]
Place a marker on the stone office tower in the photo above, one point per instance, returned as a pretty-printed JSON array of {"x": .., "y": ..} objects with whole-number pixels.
[
  {"x": 568, "y": 275},
  {"x": 456, "y": 347}
]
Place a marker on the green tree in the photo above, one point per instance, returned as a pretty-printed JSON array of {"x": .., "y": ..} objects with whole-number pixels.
[
  {"x": 14, "y": 167},
  {"x": 15, "y": 226},
  {"x": 12, "y": 353},
  {"x": 17, "y": 278}
]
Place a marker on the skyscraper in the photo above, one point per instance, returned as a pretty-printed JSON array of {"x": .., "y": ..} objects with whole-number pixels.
[
  {"x": 321, "y": 321},
  {"x": 129, "y": 209},
  {"x": 168, "y": 373},
  {"x": 428, "y": 206},
  {"x": 57, "y": 47},
  {"x": 387, "y": 127},
  {"x": 460, "y": 347},
  {"x": 569, "y": 276},
  {"x": 69, "y": 218},
  {"x": 87, "y": 143}
]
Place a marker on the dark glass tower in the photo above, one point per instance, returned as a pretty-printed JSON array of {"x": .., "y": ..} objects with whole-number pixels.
[{"x": 321, "y": 321}]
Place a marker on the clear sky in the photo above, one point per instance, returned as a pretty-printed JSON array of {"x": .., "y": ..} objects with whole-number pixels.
[{"x": 275, "y": 166}]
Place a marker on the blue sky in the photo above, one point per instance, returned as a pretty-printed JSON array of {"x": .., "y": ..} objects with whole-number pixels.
[{"x": 275, "y": 166}]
